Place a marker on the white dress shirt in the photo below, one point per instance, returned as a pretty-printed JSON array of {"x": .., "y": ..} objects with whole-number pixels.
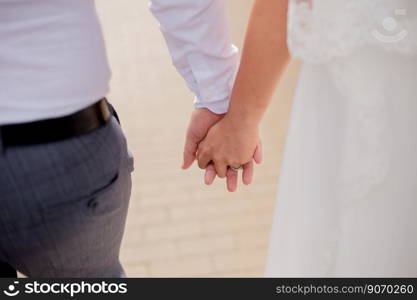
[{"x": 53, "y": 60}]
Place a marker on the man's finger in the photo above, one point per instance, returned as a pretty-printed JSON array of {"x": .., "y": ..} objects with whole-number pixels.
[
  {"x": 247, "y": 174},
  {"x": 190, "y": 150},
  {"x": 221, "y": 169},
  {"x": 210, "y": 174},
  {"x": 231, "y": 180},
  {"x": 258, "y": 156}
]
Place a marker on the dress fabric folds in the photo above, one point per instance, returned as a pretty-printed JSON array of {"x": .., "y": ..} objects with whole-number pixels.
[{"x": 347, "y": 194}]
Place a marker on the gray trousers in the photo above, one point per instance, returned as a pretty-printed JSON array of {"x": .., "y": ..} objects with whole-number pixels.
[{"x": 64, "y": 205}]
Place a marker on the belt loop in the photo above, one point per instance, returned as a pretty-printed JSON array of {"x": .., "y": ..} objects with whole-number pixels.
[{"x": 113, "y": 112}]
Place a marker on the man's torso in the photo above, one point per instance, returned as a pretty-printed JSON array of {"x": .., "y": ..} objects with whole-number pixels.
[{"x": 52, "y": 59}]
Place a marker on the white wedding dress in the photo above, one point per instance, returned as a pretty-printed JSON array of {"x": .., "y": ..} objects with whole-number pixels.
[{"x": 347, "y": 195}]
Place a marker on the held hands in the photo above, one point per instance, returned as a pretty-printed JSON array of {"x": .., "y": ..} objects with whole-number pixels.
[
  {"x": 232, "y": 140},
  {"x": 201, "y": 121},
  {"x": 220, "y": 142}
]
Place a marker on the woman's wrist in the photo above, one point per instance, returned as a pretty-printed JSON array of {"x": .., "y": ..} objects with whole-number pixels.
[
  {"x": 245, "y": 114},
  {"x": 240, "y": 118}
]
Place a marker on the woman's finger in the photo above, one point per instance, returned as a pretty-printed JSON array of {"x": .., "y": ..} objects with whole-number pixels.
[
  {"x": 247, "y": 174},
  {"x": 231, "y": 180},
  {"x": 203, "y": 157},
  {"x": 210, "y": 174}
]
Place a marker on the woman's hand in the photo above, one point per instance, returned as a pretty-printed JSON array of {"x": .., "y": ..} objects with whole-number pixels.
[{"x": 231, "y": 142}]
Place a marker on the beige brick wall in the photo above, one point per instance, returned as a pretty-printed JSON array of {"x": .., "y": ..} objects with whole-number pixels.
[{"x": 176, "y": 225}]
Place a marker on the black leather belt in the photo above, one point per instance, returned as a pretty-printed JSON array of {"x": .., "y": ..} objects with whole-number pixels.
[{"x": 52, "y": 130}]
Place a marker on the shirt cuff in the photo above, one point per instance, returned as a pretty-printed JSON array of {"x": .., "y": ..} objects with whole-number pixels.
[{"x": 218, "y": 106}]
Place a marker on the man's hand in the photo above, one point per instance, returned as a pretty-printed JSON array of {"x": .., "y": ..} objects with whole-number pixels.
[{"x": 201, "y": 121}]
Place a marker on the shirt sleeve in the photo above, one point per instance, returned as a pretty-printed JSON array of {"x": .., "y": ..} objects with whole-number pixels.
[{"x": 198, "y": 39}]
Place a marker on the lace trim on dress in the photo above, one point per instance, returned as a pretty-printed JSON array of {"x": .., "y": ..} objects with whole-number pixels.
[{"x": 320, "y": 30}]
